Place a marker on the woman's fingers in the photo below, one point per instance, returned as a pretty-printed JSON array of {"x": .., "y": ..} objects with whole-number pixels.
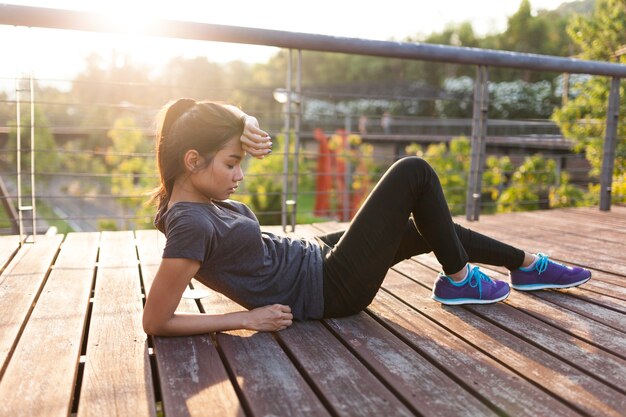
[
  {"x": 285, "y": 318},
  {"x": 255, "y": 130},
  {"x": 257, "y": 142},
  {"x": 257, "y": 153},
  {"x": 271, "y": 318},
  {"x": 254, "y": 140},
  {"x": 256, "y": 145}
]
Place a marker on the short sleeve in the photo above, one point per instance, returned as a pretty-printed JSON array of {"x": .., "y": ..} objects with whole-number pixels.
[{"x": 187, "y": 236}]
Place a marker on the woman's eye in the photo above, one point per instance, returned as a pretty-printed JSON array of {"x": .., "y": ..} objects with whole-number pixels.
[{"x": 230, "y": 166}]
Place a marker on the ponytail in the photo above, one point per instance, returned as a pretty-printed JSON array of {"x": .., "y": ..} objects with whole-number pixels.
[{"x": 168, "y": 116}]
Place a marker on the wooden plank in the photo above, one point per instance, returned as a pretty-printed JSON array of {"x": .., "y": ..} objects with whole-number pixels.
[
  {"x": 579, "y": 389},
  {"x": 419, "y": 382},
  {"x": 567, "y": 299},
  {"x": 616, "y": 216},
  {"x": 346, "y": 384},
  {"x": 555, "y": 223},
  {"x": 49, "y": 348},
  {"x": 570, "y": 224},
  {"x": 192, "y": 377},
  {"x": 8, "y": 247},
  {"x": 603, "y": 365},
  {"x": 262, "y": 369},
  {"x": 117, "y": 379},
  {"x": 606, "y": 258},
  {"x": 508, "y": 393},
  {"x": 20, "y": 284},
  {"x": 574, "y": 323},
  {"x": 600, "y": 284}
]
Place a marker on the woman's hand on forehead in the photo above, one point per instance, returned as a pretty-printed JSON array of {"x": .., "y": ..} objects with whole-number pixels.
[{"x": 255, "y": 141}]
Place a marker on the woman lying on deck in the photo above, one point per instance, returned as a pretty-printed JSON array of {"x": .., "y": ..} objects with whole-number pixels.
[{"x": 218, "y": 241}]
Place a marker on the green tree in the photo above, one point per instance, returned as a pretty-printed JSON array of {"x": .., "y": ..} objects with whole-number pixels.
[
  {"x": 133, "y": 175},
  {"x": 47, "y": 159},
  {"x": 566, "y": 194},
  {"x": 496, "y": 177},
  {"x": 530, "y": 186},
  {"x": 583, "y": 118}
]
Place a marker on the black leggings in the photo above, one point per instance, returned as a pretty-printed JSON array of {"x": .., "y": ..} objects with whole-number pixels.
[{"x": 405, "y": 215}]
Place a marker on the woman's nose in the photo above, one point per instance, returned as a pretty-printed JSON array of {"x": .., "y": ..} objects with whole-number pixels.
[{"x": 238, "y": 174}]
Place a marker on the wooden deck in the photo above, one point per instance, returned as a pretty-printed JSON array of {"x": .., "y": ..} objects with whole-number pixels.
[{"x": 71, "y": 341}]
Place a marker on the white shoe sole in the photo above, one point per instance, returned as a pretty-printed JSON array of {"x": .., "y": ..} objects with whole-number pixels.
[
  {"x": 461, "y": 301},
  {"x": 534, "y": 287}
]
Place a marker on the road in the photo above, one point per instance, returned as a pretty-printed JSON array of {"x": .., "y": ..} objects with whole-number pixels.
[{"x": 81, "y": 212}]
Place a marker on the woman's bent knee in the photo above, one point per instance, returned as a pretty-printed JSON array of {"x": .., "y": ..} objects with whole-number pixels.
[
  {"x": 414, "y": 167},
  {"x": 413, "y": 163}
]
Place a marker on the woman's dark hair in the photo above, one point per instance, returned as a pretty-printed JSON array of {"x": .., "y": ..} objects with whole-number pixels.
[{"x": 186, "y": 124}]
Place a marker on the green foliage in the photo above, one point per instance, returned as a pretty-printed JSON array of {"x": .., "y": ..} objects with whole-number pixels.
[
  {"x": 566, "y": 194},
  {"x": 108, "y": 225},
  {"x": 496, "y": 176},
  {"x": 133, "y": 176},
  {"x": 583, "y": 118},
  {"x": 46, "y": 155},
  {"x": 529, "y": 187},
  {"x": 533, "y": 185}
]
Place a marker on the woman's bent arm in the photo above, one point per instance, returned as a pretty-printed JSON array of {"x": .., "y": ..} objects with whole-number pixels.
[{"x": 160, "y": 317}]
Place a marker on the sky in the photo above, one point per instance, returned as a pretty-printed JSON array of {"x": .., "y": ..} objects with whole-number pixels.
[{"x": 61, "y": 54}]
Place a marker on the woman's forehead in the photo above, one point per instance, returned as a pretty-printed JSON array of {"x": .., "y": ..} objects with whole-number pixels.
[{"x": 233, "y": 146}]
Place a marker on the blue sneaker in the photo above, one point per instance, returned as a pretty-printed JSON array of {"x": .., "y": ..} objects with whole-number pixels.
[
  {"x": 476, "y": 288},
  {"x": 548, "y": 274}
]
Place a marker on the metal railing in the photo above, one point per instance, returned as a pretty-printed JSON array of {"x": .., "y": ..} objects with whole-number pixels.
[{"x": 482, "y": 59}]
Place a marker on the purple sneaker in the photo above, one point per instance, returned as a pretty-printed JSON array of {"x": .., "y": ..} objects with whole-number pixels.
[
  {"x": 476, "y": 288},
  {"x": 548, "y": 274}
]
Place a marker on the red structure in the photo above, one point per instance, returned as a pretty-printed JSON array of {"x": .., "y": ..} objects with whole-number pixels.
[
  {"x": 332, "y": 165},
  {"x": 324, "y": 175}
]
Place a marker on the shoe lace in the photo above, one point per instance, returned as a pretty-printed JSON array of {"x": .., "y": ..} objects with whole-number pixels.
[
  {"x": 476, "y": 278},
  {"x": 542, "y": 263}
]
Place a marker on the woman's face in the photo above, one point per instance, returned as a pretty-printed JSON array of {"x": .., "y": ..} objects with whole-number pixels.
[{"x": 220, "y": 178}]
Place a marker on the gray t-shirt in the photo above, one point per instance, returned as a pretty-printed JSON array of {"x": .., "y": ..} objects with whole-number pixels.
[{"x": 238, "y": 260}]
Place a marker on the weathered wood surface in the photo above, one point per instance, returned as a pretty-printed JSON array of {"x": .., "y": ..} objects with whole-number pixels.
[
  {"x": 193, "y": 379},
  {"x": 71, "y": 341},
  {"x": 8, "y": 247},
  {"x": 118, "y": 375},
  {"x": 40, "y": 378},
  {"x": 20, "y": 284}
]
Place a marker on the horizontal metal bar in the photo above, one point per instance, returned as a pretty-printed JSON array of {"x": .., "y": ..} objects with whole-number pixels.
[{"x": 94, "y": 22}]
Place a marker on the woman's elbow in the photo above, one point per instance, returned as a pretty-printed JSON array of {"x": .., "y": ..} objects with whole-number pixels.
[{"x": 151, "y": 327}]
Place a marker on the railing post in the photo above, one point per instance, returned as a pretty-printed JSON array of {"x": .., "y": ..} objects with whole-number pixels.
[
  {"x": 33, "y": 204},
  {"x": 287, "y": 128},
  {"x": 296, "y": 128},
  {"x": 479, "y": 133},
  {"x": 610, "y": 139}
]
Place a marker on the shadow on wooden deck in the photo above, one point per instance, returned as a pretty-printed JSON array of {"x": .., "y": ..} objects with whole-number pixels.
[{"x": 71, "y": 340}]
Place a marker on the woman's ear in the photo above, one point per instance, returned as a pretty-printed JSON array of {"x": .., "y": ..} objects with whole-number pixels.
[{"x": 192, "y": 160}]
